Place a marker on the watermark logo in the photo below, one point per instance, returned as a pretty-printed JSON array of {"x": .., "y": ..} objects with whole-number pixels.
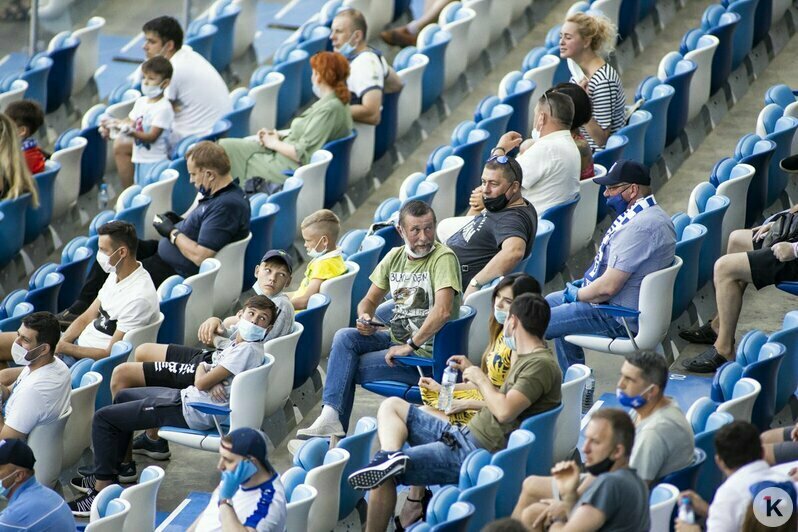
[{"x": 772, "y": 507}]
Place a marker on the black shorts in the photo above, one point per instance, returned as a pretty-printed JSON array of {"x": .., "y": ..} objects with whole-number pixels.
[
  {"x": 178, "y": 369},
  {"x": 767, "y": 270}
]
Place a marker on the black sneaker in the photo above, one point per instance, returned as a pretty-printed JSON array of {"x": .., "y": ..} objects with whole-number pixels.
[
  {"x": 700, "y": 335},
  {"x": 84, "y": 484},
  {"x": 127, "y": 473},
  {"x": 383, "y": 466},
  {"x": 81, "y": 507},
  {"x": 155, "y": 449},
  {"x": 707, "y": 362}
]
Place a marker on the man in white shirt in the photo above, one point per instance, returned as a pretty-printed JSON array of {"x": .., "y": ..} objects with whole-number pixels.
[
  {"x": 41, "y": 392},
  {"x": 197, "y": 91},
  {"x": 250, "y": 493},
  {"x": 551, "y": 163},
  {"x": 739, "y": 456}
]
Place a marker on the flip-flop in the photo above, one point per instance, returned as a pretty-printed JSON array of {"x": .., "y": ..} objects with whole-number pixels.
[{"x": 707, "y": 362}]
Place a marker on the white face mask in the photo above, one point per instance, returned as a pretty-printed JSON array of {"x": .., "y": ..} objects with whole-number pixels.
[
  {"x": 413, "y": 255},
  {"x": 315, "y": 253},
  {"x": 258, "y": 290},
  {"x": 105, "y": 261},
  {"x": 151, "y": 91},
  {"x": 19, "y": 354},
  {"x": 317, "y": 90}
]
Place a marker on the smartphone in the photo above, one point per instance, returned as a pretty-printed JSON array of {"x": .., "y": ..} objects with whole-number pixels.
[{"x": 372, "y": 322}]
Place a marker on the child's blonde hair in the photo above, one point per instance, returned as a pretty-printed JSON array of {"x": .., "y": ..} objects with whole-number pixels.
[
  {"x": 15, "y": 178},
  {"x": 598, "y": 28},
  {"x": 323, "y": 221}
]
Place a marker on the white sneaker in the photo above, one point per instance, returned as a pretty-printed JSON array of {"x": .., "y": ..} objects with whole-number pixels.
[
  {"x": 294, "y": 446},
  {"x": 320, "y": 429}
]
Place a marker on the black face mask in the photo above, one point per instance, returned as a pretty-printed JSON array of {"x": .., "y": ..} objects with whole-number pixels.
[
  {"x": 601, "y": 467},
  {"x": 496, "y": 204}
]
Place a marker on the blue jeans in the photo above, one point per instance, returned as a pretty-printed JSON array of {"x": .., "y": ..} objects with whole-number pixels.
[
  {"x": 355, "y": 359},
  {"x": 577, "y": 318},
  {"x": 436, "y": 449}
]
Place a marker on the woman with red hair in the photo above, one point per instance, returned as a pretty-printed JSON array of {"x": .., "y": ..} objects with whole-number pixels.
[{"x": 327, "y": 119}]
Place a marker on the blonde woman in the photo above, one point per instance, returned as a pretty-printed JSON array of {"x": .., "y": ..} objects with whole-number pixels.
[
  {"x": 586, "y": 41},
  {"x": 15, "y": 178}
]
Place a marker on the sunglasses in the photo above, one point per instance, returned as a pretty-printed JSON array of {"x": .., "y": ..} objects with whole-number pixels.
[{"x": 503, "y": 159}]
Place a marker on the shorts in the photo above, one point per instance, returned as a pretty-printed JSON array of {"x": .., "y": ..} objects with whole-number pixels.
[
  {"x": 786, "y": 451},
  {"x": 767, "y": 270},
  {"x": 436, "y": 450},
  {"x": 178, "y": 369}
]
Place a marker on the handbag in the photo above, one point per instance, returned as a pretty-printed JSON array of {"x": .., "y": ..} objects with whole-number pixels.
[{"x": 784, "y": 229}]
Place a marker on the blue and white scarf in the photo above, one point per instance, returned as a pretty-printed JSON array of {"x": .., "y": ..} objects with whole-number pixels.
[
  {"x": 624, "y": 218},
  {"x": 29, "y": 143}
]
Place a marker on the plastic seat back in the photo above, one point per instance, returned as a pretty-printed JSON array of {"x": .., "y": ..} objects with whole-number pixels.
[
  {"x": 560, "y": 244},
  {"x": 13, "y": 92},
  {"x": 741, "y": 404},
  {"x": 386, "y": 132},
  {"x": 411, "y": 98},
  {"x": 337, "y": 180},
  {"x": 239, "y": 117},
  {"x": 433, "y": 41},
  {"x": 298, "y": 507},
  {"x": 359, "y": 447},
  {"x": 613, "y": 151},
  {"x": 339, "y": 290},
  {"x": 711, "y": 217},
  {"x": 308, "y": 350},
  {"x": 661, "y": 503},
  {"x": 49, "y": 457},
  {"x": 516, "y": 92},
  {"x": 327, "y": 480},
  {"x": 120, "y": 352},
  {"x": 536, "y": 264},
  {"x": 483, "y": 496},
  {"x": 200, "y": 37},
  {"x": 281, "y": 376},
  {"x": 36, "y": 75},
  {"x": 265, "y": 94},
  {"x": 114, "y": 518},
  {"x": 261, "y": 227},
  {"x": 173, "y": 307},
  {"x": 367, "y": 258},
  {"x": 788, "y": 373},
  {"x": 757, "y": 153},
  {"x": 286, "y": 217},
  {"x": 11, "y": 238},
  {"x": 446, "y": 178},
  {"x": 223, "y": 16},
  {"x": 584, "y": 218},
  {"x": 688, "y": 248},
  {"x": 543, "y": 427},
  {"x": 61, "y": 50},
  {"x": 200, "y": 304},
  {"x": 37, "y": 219},
  {"x": 67, "y": 184},
  {"x": 744, "y": 33},
  {"x": 77, "y": 431},
  {"x": 482, "y": 303},
  {"x": 685, "y": 478},
  {"x": 657, "y": 103},
  {"x": 142, "y": 498},
  {"x": 567, "y": 426},
  {"x": 519, "y": 445},
  {"x": 470, "y": 150},
  {"x": 635, "y": 132}
]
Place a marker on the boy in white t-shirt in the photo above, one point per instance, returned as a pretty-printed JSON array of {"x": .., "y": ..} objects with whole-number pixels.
[{"x": 150, "y": 121}]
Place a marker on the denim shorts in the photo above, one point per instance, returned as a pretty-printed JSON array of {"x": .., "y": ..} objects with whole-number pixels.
[{"x": 436, "y": 450}]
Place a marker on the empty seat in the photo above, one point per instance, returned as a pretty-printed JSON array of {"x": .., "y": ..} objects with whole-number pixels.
[
  {"x": 772, "y": 124},
  {"x": 308, "y": 351},
  {"x": 11, "y": 90},
  {"x": 314, "y": 177},
  {"x": 689, "y": 240},
  {"x": 635, "y": 132},
  {"x": 433, "y": 42},
  {"x": 173, "y": 296},
  {"x": 286, "y": 219},
  {"x": 516, "y": 91},
  {"x": 657, "y": 98},
  {"x": 678, "y": 73},
  {"x": 230, "y": 276},
  {"x": 261, "y": 227},
  {"x": 757, "y": 152},
  {"x": 457, "y": 20},
  {"x": 744, "y": 33},
  {"x": 710, "y": 209},
  {"x": 584, "y": 217},
  {"x": 661, "y": 503},
  {"x": 478, "y": 40},
  {"x": 445, "y": 173},
  {"x": 493, "y": 117},
  {"x": 289, "y": 63},
  {"x": 200, "y": 303},
  {"x": 76, "y": 259},
  {"x": 337, "y": 180},
  {"x": 12, "y": 310},
  {"x": 339, "y": 290},
  {"x": 732, "y": 180},
  {"x": 61, "y": 50},
  {"x": 87, "y": 56},
  {"x": 67, "y": 184},
  {"x": 542, "y": 425},
  {"x": 38, "y": 219},
  {"x": 705, "y": 422},
  {"x": 562, "y": 217},
  {"x": 49, "y": 457},
  {"x": 200, "y": 36},
  {"x": 567, "y": 426},
  {"x": 410, "y": 66},
  {"x": 264, "y": 92},
  {"x": 240, "y": 116}
]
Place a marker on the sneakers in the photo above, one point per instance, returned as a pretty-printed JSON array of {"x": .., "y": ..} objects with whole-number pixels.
[
  {"x": 86, "y": 483},
  {"x": 399, "y": 37},
  {"x": 707, "y": 362},
  {"x": 81, "y": 507},
  {"x": 295, "y": 445},
  {"x": 700, "y": 335},
  {"x": 155, "y": 449},
  {"x": 383, "y": 466},
  {"x": 320, "y": 429}
]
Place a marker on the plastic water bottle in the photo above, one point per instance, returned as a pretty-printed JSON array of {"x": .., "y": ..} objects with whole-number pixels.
[
  {"x": 686, "y": 513},
  {"x": 447, "y": 388},
  {"x": 587, "y": 397},
  {"x": 102, "y": 197}
]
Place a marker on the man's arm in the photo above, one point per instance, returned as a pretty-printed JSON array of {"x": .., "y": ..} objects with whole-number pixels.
[
  {"x": 511, "y": 253},
  {"x": 204, "y": 380},
  {"x": 602, "y": 289},
  {"x": 584, "y": 519},
  {"x": 505, "y": 408},
  {"x": 393, "y": 83},
  {"x": 191, "y": 250},
  {"x": 369, "y": 110},
  {"x": 313, "y": 288},
  {"x": 437, "y": 317},
  {"x": 95, "y": 353},
  {"x": 76, "y": 327},
  {"x": 368, "y": 305},
  {"x": 7, "y": 432},
  {"x": 229, "y": 519}
]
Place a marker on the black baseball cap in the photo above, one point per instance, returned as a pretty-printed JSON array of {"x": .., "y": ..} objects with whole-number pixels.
[
  {"x": 625, "y": 171},
  {"x": 249, "y": 442},
  {"x": 282, "y": 255},
  {"x": 16, "y": 452}
]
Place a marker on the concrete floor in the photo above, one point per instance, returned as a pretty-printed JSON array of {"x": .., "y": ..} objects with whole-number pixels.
[{"x": 190, "y": 470}]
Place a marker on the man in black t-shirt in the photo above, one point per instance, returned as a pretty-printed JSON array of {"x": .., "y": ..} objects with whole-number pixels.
[{"x": 499, "y": 236}]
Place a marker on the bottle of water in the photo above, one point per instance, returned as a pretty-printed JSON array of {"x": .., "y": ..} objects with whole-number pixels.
[
  {"x": 686, "y": 513},
  {"x": 102, "y": 197},
  {"x": 587, "y": 397},
  {"x": 447, "y": 388}
]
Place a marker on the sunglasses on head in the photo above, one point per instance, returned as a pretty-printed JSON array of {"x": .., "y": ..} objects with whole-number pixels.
[{"x": 503, "y": 159}]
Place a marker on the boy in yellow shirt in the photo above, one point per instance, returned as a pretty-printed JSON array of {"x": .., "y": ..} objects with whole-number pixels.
[{"x": 320, "y": 231}]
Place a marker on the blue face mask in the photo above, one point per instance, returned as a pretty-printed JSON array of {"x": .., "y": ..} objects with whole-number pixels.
[
  {"x": 204, "y": 191},
  {"x": 617, "y": 203},
  {"x": 632, "y": 401},
  {"x": 347, "y": 49},
  {"x": 250, "y": 332},
  {"x": 500, "y": 315},
  {"x": 3, "y": 489},
  {"x": 509, "y": 340}
]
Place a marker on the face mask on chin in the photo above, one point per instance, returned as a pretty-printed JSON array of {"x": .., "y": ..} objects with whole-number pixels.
[
  {"x": 20, "y": 354},
  {"x": 498, "y": 203},
  {"x": 151, "y": 91},
  {"x": 600, "y": 467},
  {"x": 414, "y": 255}
]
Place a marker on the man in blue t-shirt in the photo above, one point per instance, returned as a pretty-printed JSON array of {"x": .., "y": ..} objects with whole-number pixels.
[
  {"x": 31, "y": 506},
  {"x": 221, "y": 216}
]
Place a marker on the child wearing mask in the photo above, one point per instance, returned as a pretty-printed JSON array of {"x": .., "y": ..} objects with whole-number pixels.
[
  {"x": 29, "y": 117},
  {"x": 150, "y": 120},
  {"x": 320, "y": 232}
]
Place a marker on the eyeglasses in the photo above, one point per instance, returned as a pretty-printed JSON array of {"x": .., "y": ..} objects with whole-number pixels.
[
  {"x": 619, "y": 185},
  {"x": 503, "y": 159}
]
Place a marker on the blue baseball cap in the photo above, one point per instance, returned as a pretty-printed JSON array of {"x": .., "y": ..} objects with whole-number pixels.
[
  {"x": 249, "y": 442},
  {"x": 625, "y": 171},
  {"x": 282, "y": 255}
]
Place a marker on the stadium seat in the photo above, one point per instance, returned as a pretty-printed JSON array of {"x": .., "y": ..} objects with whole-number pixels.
[
  {"x": 12, "y": 310},
  {"x": 656, "y": 305},
  {"x": 200, "y": 37},
  {"x": 246, "y": 26},
  {"x": 584, "y": 217},
  {"x": 339, "y": 290},
  {"x": 337, "y": 180},
  {"x": 43, "y": 288},
  {"x": 468, "y": 142},
  {"x": 38, "y": 219},
  {"x": 48, "y": 456},
  {"x": 231, "y": 275},
  {"x": 661, "y": 503},
  {"x": 562, "y": 216},
  {"x": 77, "y": 431},
  {"x": 493, "y": 117},
  {"x": 613, "y": 151},
  {"x": 314, "y": 176},
  {"x": 386, "y": 133},
  {"x": 678, "y": 73},
  {"x": 261, "y": 227},
  {"x": 87, "y": 56},
  {"x": 762, "y": 19},
  {"x": 223, "y": 14},
  {"x": 358, "y": 445},
  {"x": 479, "y": 485},
  {"x": 143, "y": 335},
  {"x": 142, "y": 498},
  {"x": 36, "y": 74},
  {"x": 538, "y": 257},
  {"x": 200, "y": 303},
  {"x": 286, "y": 218},
  {"x": 159, "y": 189},
  {"x": 13, "y": 218},
  {"x": 112, "y": 519},
  {"x": 732, "y": 180},
  {"x": 265, "y": 94},
  {"x": 67, "y": 184},
  {"x": 132, "y": 207},
  {"x": 757, "y": 152},
  {"x": 516, "y": 91},
  {"x": 744, "y": 34},
  {"x": 445, "y": 173},
  {"x": 741, "y": 403},
  {"x": 520, "y": 443},
  {"x": 690, "y": 238},
  {"x": 247, "y": 404},
  {"x": 635, "y": 132},
  {"x": 657, "y": 98},
  {"x": 482, "y": 303},
  {"x": 685, "y": 478},
  {"x": 367, "y": 258},
  {"x": 120, "y": 352},
  {"x": 456, "y": 19},
  {"x": 410, "y": 66},
  {"x": 567, "y": 427},
  {"x": 76, "y": 259},
  {"x": 542, "y": 425},
  {"x": 308, "y": 350},
  {"x": 11, "y": 91},
  {"x": 92, "y": 165},
  {"x": 312, "y": 38},
  {"x": 788, "y": 373},
  {"x": 705, "y": 422},
  {"x": 61, "y": 50},
  {"x": 500, "y": 18},
  {"x": 360, "y": 165},
  {"x": 456, "y": 519},
  {"x": 241, "y": 114},
  {"x": 478, "y": 41},
  {"x": 281, "y": 377},
  {"x": 290, "y": 63},
  {"x": 780, "y": 94},
  {"x": 173, "y": 297},
  {"x": 771, "y": 124},
  {"x": 710, "y": 209},
  {"x": 300, "y": 501},
  {"x": 539, "y": 67},
  {"x": 433, "y": 41},
  {"x": 702, "y": 55}
]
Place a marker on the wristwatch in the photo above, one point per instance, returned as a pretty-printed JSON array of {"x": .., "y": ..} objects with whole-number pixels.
[
  {"x": 173, "y": 235},
  {"x": 473, "y": 282},
  {"x": 412, "y": 344}
]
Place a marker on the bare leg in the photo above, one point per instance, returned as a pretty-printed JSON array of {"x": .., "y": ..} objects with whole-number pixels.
[
  {"x": 6, "y": 339},
  {"x": 732, "y": 275},
  {"x": 151, "y": 353},
  {"x": 382, "y": 502},
  {"x": 534, "y": 490},
  {"x": 127, "y": 375},
  {"x": 412, "y": 509},
  {"x": 123, "y": 155},
  {"x": 531, "y": 514},
  {"x": 434, "y": 412}
]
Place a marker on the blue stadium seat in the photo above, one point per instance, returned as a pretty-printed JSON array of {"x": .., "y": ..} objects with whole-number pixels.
[
  {"x": 76, "y": 259},
  {"x": 685, "y": 479},
  {"x": 183, "y": 193},
  {"x": 200, "y": 37},
  {"x": 290, "y": 63},
  {"x": 386, "y": 133},
  {"x": 37, "y": 73},
  {"x": 105, "y": 366},
  {"x": 13, "y": 220},
  {"x": 762, "y": 19},
  {"x": 133, "y": 210},
  {"x": 753, "y": 150},
  {"x": 261, "y": 225},
  {"x": 432, "y": 42},
  {"x": 635, "y": 132},
  {"x": 479, "y": 485},
  {"x": 308, "y": 349},
  {"x": 337, "y": 180},
  {"x": 359, "y": 447},
  {"x": 92, "y": 164},
  {"x": 552, "y": 43},
  {"x": 520, "y": 444},
  {"x": 535, "y": 264},
  {"x": 313, "y": 38},
  {"x": 744, "y": 34},
  {"x": 542, "y": 426},
  {"x": 12, "y": 310},
  {"x": 37, "y": 220},
  {"x": 772, "y": 124},
  {"x": 173, "y": 296},
  {"x": 43, "y": 288},
  {"x": 711, "y": 211},
  {"x": 561, "y": 216},
  {"x": 613, "y": 151},
  {"x": 239, "y": 117},
  {"x": 60, "y": 80},
  {"x": 494, "y": 118},
  {"x": 678, "y": 73},
  {"x": 286, "y": 220},
  {"x": 705, "y": 422},
  {"x": 788, "y": 373},
  {"x": 629, "y": 15},
  {"x": 657, "y": 97},
  {"x": 367, "y": 257},
  {"x": 690, "y": 238},
  {"x": 516, "y": 92},
  {"x": 223, "y": 15},
  {"x": 468, "y": 142}
]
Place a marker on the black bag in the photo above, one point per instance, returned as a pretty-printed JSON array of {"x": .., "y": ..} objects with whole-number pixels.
[
  {"x": 785, "y": 229},
  {"x": 254, "y": 185}
]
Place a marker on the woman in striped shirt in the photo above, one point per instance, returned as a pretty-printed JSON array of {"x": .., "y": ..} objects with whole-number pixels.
[{"x": 585, "y": 41}]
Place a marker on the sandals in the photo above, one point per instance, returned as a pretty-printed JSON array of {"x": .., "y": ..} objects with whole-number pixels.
[
  {"x": 700, "y": 335},
  {"x": 424, "y": 501},
  {"x": 707, "y": 362}
]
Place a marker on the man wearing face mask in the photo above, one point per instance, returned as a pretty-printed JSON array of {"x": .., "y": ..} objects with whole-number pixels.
[
  {"x": 641, "y": 240},
  {"x": 616, "y": 500},
  {"x": 550, "y": 160},
  {"x": 153, "y": 407},
  {"x": 40, "y": 393},
  {"x": 250, "y": 493},
  {"x": 31, "y": 506},
  {"x": 502, "y": 230},
  {"x": 424, "y": 281},
  {"x": 221, "y": 216}
]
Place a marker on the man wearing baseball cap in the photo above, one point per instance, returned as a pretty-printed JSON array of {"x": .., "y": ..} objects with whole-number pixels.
[
  {"x": 641, "y": 240},
  {"x": 250, "y": 492},
  {"x": 31, "y": 506},
  {"x": 272, "y": 277}
]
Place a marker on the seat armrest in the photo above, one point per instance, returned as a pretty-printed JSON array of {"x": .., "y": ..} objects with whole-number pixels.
[
  {"x": 288, "y": 173},
  {"x": 618, "y": 311},
  {"x": 210, "y": 408},
  {"x": 414, "y": 361}
]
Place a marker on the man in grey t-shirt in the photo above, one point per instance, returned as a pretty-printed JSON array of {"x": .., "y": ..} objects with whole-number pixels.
[
  {"x": 641, "y": 240},
  {"x": 616, "y": 501}
]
